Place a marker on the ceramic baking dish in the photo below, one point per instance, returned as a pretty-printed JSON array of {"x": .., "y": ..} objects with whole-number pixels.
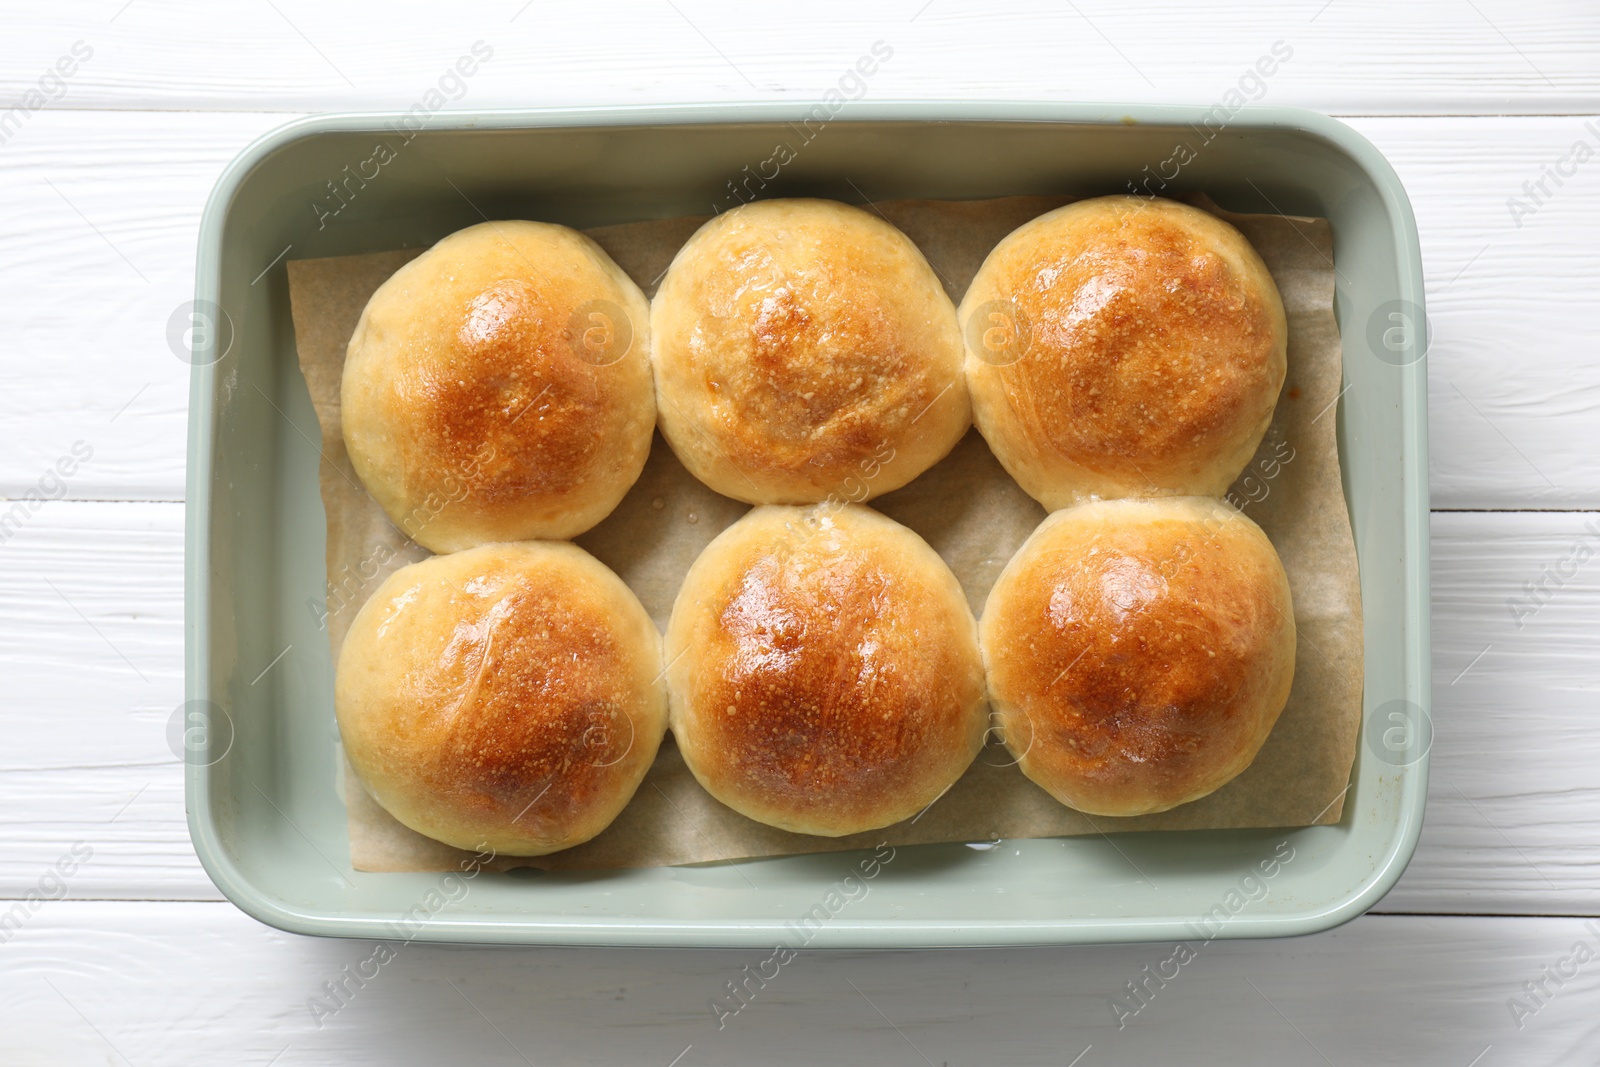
[{"x": 262, "y": 792}]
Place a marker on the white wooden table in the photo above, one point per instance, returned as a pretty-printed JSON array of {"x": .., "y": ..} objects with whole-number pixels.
[{"x": 135, "y": 958}]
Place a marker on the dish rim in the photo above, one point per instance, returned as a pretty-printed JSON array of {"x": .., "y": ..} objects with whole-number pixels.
[{"x": 234, "y": 883}]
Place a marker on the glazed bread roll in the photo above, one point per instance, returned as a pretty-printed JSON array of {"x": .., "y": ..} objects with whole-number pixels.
[
  {"x": 824, "y": 671},
  {"x": 1124, "y": 347},
  {"x": 804, "y": 349},
  {"x": 1139, "y": 651},
  {"x": 505, "y": 697},
  {"x": 497, "y": 387}
]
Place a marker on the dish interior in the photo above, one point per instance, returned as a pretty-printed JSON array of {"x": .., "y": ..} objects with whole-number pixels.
[{"x": 267, "y": 817}]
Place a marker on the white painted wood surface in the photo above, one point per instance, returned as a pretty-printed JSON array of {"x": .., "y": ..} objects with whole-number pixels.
[
  {"x": 177, "y": 984},
  {"x": 91, "y": 616},
  {"x": 102, "y": 371},
  {"x": 100, "y": 192},
  {"x": 1350, "y": 56}
]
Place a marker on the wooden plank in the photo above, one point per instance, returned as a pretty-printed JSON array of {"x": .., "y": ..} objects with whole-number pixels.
[
  {"x": 99, "y": 370},
  {"x": 1513, "y": 821},
  {"x": 1353, "y": 56},
  {"x": 98, "y": 248},
  {"x": 98, "y": 245},
  {"x": 1514, "y": 367},
  {"x": 1515, "y": 749},
  {"x": 91, "y": 613},
  {"x": 191, "y": 983}
]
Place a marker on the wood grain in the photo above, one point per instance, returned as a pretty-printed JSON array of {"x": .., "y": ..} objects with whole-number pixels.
[
  {"x": 1515, "y": 751},
  {"x": 100, "y": 369},
  {"x": 1513, "y": 820},
  {"x": 1514, "y": 366},
  {"x": 174, "y": 983},
  {"x": 1350, "y": 56},
  {"x": 102, "y": 191},
  {"x": 102, "y": 216}
]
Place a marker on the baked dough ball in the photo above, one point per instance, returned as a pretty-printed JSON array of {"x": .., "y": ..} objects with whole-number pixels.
[
  {"x": 497, "y": 387},
  {"x": 824, "y": 671},
  {"x": 1139, "y": 651},
  {"x": 1124, "y": 347},
  {"x": 506, "y": 697},
  {"x": 804, "y": 349}
]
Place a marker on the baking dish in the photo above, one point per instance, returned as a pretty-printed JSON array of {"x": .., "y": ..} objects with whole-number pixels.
[{"x": 263, "y": 799}]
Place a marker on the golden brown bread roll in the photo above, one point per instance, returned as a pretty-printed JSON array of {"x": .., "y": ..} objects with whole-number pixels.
[
  {"x": 498, "y": 387},
  {"x": 1139, "y": 651},
  {"x": 824, "y": 671},
  {"x": 505, "y": 697},
  {"x": 804, "y": 349},
  {"x": 1124, "y": 347}
]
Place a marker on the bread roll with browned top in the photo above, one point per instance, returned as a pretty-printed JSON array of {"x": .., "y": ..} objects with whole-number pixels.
[
  {"x": 498, "y": 387},
  {"x": 506, "y": 697},
  {"x": 1124, "y": 346},
  {"x": 824, "y": 671},
  {"x": 804, "y": 349},
  {"x": 1139, "y": 651}
]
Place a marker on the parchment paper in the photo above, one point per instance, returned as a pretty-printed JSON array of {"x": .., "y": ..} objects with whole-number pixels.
[{"x": 966, "y": 507}]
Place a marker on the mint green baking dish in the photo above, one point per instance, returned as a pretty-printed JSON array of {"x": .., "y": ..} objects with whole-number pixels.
[{"x": 264, "y": 811}]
